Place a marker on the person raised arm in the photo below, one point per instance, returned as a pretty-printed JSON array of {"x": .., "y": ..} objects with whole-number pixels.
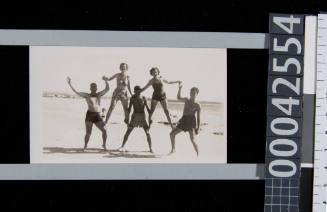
[
  {"x": 171, "y": 82},
  {"x": 146, "y": 105},
  {"x": 111, "y": 78},
  {"x": 129, "y": 86},
  {"x": 179, "y": 92},
  {"x": 81, "y": 94},
  {"x": 147, "y": 85},
  {"x": 198, "y": 121},
  {"x": 106, "y": 89},
  {"x": 130, "y": 106}
]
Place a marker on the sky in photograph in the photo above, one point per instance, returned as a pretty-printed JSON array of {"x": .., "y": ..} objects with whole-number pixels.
[{"x": 203, "y": 68}]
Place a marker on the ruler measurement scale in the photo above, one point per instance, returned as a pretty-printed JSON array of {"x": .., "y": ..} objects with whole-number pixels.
[{"x": 320, "y": 153}]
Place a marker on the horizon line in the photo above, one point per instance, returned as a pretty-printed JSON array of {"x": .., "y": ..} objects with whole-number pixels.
[{"x": 52, "y": 94}]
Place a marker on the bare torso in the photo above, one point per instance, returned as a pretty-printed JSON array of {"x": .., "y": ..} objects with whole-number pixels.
[
  {"x": 190, "y": 108},
  {"x": 138, "y": 103},
  {"x": 93, "y": 102},
  {"x": 122, "y": 82}
]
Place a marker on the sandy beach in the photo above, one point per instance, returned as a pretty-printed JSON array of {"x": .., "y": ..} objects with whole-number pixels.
[{"x": 64, "y": 130}]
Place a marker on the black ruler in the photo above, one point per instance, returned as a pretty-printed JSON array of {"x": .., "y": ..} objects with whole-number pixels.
[{"x": 284, "y": 113}]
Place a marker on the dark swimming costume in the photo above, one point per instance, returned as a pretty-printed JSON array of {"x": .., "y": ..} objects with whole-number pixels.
[
  {"x": 187, "y": 123},
  {"x": 138, "y": 116},
  {"x": 138, "y": 120},
  {"x": 138, "y": 103},
  {"x": 158, "y": 93},
  {"x": 93, "y": 117}
]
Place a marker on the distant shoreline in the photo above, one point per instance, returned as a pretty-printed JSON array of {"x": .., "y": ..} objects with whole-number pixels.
[{"x": 48, "y": 94}]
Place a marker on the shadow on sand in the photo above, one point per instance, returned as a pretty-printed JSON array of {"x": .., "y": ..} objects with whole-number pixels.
[
  {"x": 113, "y": 153},
  {"x": 52, "y": 150},
  {"x": 132, "y": 154}
]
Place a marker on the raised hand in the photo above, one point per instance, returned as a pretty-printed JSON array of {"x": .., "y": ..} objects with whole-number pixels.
[
  {"x": 105, "y": 78},
  {"x": 68, "y": 80},
  {"x": 180, "y": 84}
]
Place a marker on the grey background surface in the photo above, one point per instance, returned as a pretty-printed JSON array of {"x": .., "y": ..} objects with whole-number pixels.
[
  {"x": 131, "y": 171},
  {"x": 308, "y": 127},
  {"x": 133, "y": 39}
]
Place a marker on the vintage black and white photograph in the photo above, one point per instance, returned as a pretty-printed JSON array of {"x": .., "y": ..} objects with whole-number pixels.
[{"x": 128, "y": 105}]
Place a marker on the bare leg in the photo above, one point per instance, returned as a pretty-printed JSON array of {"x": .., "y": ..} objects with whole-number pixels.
[
  {"x": 100, "y": 125},
  {"x": 148, "y": 137},
  {"x": 128, "y": 132},
  {"x": 164, "y": 104},
  {"x": 193, "y": 142},
  {"x": 88, "y": 128},
  {"x": 153, "y": 107},
  {"x": 124, "y": 102},
  {"x": 111, "y": 108},
  {"x": 173, "y": 133}
]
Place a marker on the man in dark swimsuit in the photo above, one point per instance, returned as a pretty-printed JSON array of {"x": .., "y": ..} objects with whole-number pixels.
[
  {"x": 93, "y": 114},
  {"x": 188, "y": 122},
  {"x": 138, "y": 117}
]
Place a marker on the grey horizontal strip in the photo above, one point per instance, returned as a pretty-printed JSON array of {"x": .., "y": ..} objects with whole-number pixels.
[
  {"x": 308, "y": 129},
  {"x": 134, "y": 39},
  {"x": 131, "y": 171}
]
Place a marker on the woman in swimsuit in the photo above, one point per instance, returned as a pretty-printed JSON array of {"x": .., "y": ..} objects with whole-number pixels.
[
  {"x": 159, "y": 94},
  {"x": 120, "y": 93}
]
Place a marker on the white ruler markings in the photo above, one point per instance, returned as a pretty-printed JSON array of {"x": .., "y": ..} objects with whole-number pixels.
[{"x": 320, "y": 153}]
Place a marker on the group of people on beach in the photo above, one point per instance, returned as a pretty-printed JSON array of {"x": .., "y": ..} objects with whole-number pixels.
[{"x": 190, "y": 121}]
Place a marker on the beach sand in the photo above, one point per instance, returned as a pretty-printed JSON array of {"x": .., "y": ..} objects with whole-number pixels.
[{"x": 64, "y": 130}]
